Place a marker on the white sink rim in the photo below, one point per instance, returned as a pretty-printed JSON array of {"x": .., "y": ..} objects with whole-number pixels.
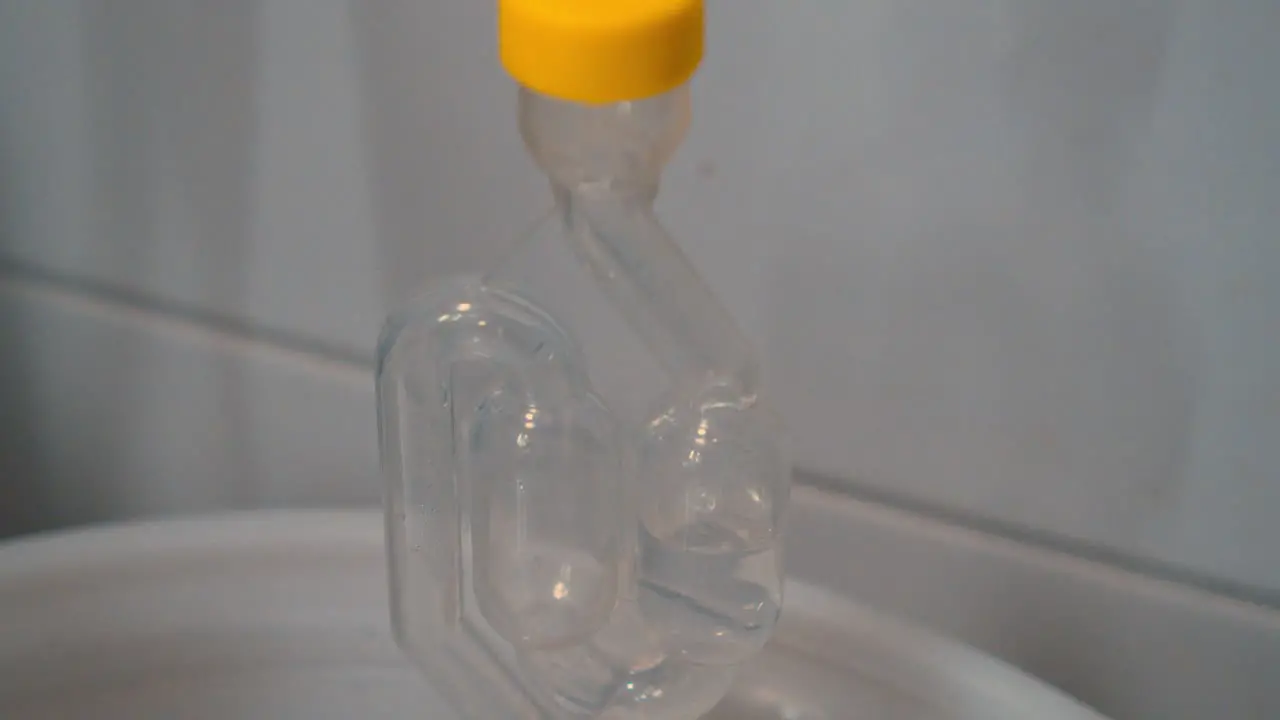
[{"x": 346, "y": 548}]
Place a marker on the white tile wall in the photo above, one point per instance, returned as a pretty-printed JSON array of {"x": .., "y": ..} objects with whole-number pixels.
[
  {"x": 1007, "y": 259},
  {"x": 111, "y": 411}
]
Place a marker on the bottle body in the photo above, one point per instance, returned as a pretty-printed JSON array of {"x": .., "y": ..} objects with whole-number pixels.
[{"x": 586, "y": 494}]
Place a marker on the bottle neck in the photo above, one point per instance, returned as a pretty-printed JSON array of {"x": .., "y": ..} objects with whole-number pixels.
[
  {"x": 604, "y": 163},
  {"x": 617, "y": 148}
]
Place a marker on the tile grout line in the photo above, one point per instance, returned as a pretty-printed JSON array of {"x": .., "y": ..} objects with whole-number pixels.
[
  {"x": 143, "y": 306},
  {"x": 1029, "y": 537}
]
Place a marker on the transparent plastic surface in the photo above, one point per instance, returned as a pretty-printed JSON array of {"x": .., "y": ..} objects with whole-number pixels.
[{"x": 586, "y": 495}]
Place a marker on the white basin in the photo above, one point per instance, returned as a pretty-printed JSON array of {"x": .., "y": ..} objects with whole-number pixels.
[{"x": 274, "y": 616}]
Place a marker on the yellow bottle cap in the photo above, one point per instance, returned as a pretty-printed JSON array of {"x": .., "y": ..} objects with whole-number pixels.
[{"x": 600, "y": 51}]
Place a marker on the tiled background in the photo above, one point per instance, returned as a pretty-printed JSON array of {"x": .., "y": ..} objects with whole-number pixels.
[{"x": 1010, "y": 265}]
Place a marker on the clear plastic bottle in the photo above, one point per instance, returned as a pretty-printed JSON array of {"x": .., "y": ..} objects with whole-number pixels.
[{"x": 586, "y": 494}]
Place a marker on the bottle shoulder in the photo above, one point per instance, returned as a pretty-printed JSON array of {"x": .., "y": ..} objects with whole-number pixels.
[{"x": 463, "y": 317}]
